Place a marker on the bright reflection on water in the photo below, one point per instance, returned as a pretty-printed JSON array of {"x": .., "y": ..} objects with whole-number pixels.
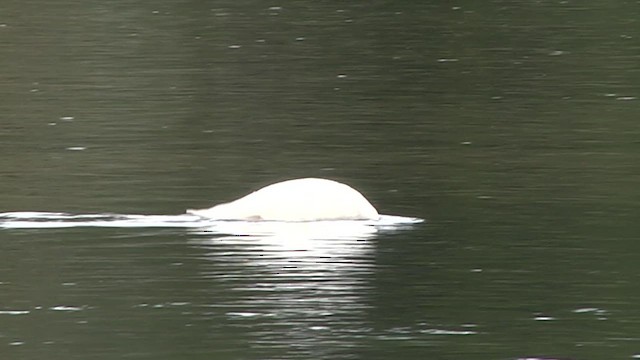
[
  {"x": 305, "y": 282},
  {"x": 284, "y": 289},
  {"x": 299, "y": 287},
  {"x": 295, "y": 293}
]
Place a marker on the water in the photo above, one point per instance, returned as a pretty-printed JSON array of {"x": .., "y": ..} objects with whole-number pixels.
[{"x": 509, "y": 126}]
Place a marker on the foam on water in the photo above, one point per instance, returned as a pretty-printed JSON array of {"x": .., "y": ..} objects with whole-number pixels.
[{"x": 51, "y": 220}]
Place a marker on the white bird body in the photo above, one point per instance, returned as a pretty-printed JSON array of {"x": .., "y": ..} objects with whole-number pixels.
[{"x": 307, "y": 199}]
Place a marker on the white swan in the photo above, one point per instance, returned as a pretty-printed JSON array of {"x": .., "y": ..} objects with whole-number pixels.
[{"x": 308, "y": 199}]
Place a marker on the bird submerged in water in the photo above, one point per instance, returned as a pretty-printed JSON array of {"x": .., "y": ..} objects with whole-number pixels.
[{"x": 307, "y": 199}]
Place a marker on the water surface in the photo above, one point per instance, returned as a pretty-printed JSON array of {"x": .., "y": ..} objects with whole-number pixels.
[{"x": 509, "y": 126}]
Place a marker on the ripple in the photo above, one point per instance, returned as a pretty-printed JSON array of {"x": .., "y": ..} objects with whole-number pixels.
[
  {"x": 67, "y": 308},
  {"x": 14, "y": 312},
  {"x": 305, "y": 290}
]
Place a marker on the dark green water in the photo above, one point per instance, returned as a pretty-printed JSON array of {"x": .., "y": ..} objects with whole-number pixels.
[{"x": 510, "y": 126}]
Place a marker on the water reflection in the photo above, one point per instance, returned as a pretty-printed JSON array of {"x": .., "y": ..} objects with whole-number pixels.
[{"x": 293, "y": 291}]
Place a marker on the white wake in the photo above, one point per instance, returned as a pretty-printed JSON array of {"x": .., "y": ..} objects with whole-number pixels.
[{"x": 333, "y": 228}]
